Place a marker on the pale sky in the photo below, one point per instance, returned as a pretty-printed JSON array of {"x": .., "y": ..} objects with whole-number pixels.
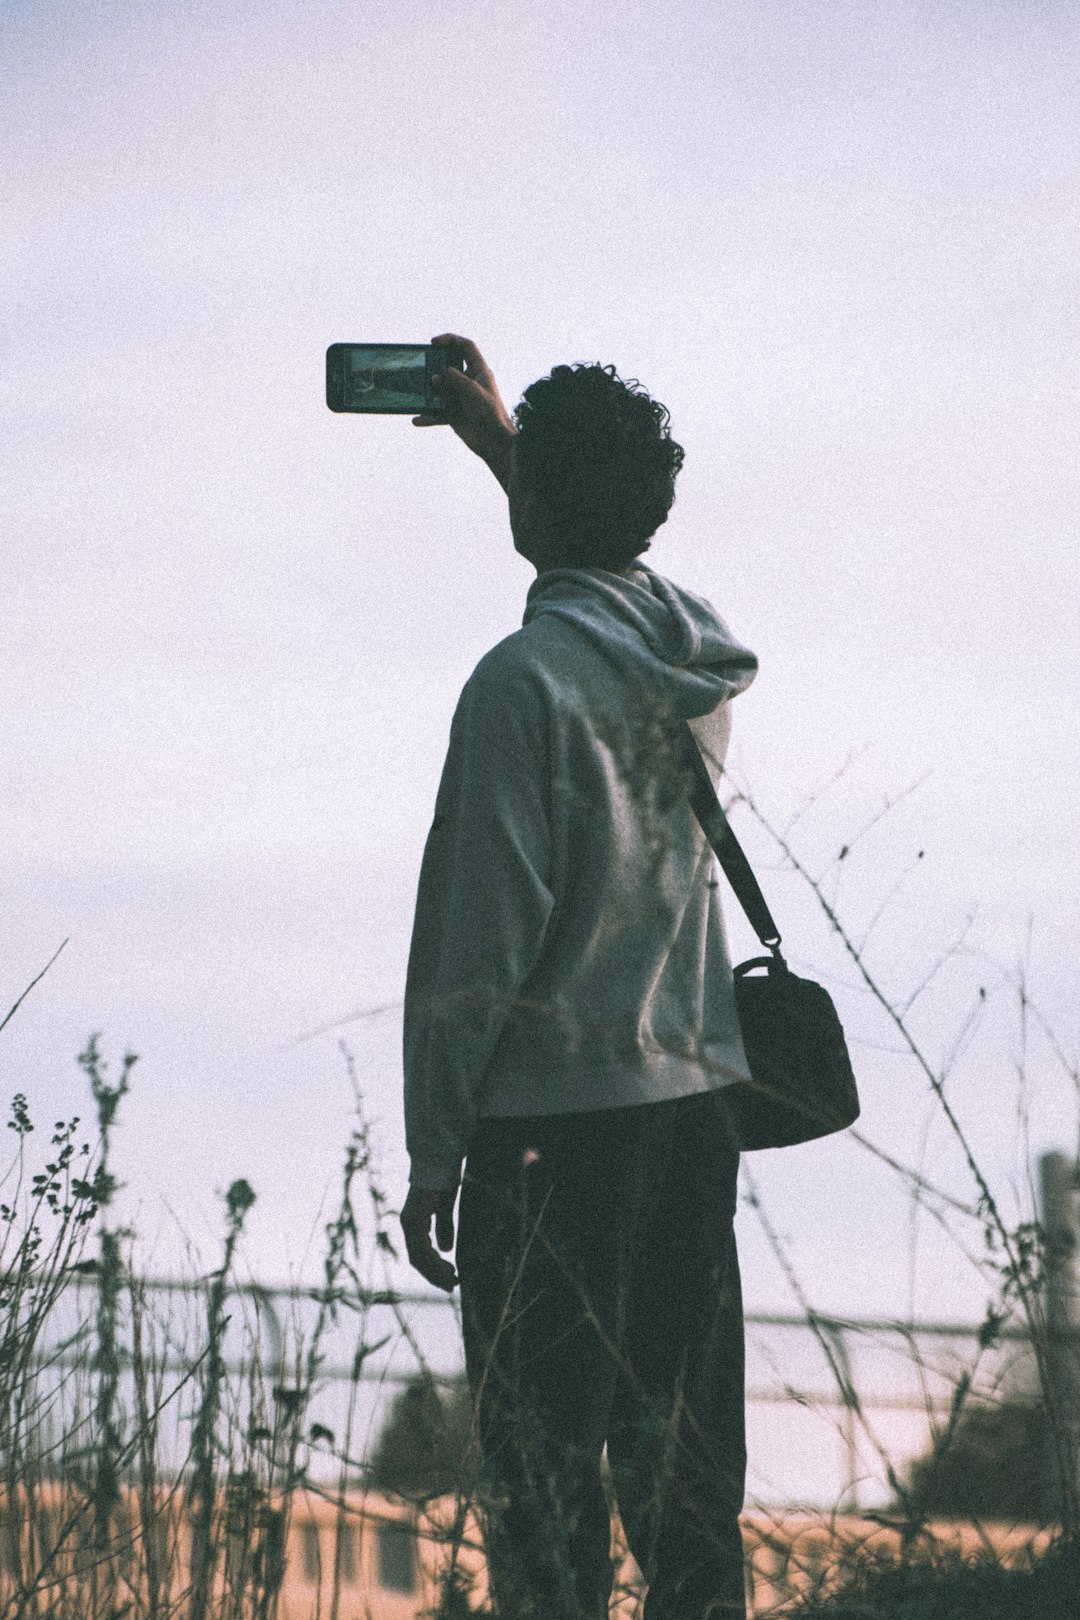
[{"x": 839, "y": 241}]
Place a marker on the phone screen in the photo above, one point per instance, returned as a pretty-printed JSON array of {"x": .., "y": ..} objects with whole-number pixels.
[{"x": 385, "y": 378}]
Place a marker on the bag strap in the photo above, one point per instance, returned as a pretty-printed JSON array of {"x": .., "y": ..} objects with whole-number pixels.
[{"x": 729, "y": 852}]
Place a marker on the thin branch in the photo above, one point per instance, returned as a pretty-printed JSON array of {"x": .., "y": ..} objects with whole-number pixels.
[
  {"x": 888, "y": 900},
  {"x": 340, "y": 1023},
  {"x": 987, "y": 1200},
  {"x": 11, "y": 1013},
  {"x": 812, "y": 799},
  {"x": 879, "y": 815},
  {"x": 1015, "y": 1268},
  {"x": 913, "y": 1176},
  {"x": 820, "y": 1327},
  {"x": 964, "y": 1033},
  {"x": 1032, "y": 1011},
  {"x": 928, "y": 978}
]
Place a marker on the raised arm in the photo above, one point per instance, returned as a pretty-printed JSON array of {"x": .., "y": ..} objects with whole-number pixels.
[{"x": 476, "y": 411}]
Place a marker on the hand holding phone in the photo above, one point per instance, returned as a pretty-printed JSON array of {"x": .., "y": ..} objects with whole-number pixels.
[
  {"x": 444, "y": 382},
  {"x": 473, "y": 405}
]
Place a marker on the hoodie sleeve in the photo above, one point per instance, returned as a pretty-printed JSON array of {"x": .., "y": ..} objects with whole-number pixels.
[{"x": 481, "y": 911}]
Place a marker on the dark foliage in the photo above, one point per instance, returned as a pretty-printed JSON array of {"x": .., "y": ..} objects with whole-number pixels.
[
  {"x": 424, "y": 1447},
  {"x": 943, "y": 1586},
  {"x": 995, "y": 1465}
]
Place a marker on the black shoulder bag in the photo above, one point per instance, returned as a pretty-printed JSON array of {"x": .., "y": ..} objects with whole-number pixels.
[{"x": 801, "y": 1084}]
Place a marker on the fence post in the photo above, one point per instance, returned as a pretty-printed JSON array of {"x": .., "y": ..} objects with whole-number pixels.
[{"x": 1059, "y": 1188}]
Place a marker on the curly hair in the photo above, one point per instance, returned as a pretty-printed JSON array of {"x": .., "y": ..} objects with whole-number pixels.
[{"x": 598, "y": 454}]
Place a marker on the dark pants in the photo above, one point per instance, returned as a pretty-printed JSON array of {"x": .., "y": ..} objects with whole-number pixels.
[{"x": 601, "y": 1304}]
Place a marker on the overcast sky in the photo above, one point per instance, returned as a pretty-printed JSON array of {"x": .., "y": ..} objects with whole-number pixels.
[{"x": 839, "y": 241}]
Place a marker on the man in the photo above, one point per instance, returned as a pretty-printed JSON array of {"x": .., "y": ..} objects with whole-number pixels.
[{"x": 569, "y": 1022}]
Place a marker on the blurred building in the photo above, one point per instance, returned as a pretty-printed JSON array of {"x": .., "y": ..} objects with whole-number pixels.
[{"x": 371, "y": 1557}]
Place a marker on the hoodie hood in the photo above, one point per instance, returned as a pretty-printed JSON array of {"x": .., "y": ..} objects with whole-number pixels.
[{"x": 672, "y": 642}]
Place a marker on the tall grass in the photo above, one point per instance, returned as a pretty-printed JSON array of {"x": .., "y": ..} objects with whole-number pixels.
[
  {"x": 145, "y": 1472},
  {"x": 151, "y": 1462}
]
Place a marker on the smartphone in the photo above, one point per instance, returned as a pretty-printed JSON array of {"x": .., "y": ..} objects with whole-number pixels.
[{"x": 387, "y": 378}]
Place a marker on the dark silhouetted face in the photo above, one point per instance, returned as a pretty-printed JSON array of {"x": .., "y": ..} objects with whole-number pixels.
[{"x": 530, "y": 540}]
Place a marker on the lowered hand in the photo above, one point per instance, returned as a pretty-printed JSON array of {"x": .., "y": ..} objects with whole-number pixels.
[{"x": 422, "y": 1205}]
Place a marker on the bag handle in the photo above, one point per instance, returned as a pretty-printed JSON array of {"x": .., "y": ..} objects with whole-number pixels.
[{"x": 729, "y": 852}]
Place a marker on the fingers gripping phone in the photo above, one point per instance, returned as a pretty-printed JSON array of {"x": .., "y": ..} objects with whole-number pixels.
[{"x": 388, "y": 379}]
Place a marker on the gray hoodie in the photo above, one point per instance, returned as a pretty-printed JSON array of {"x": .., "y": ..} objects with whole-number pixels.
[{"x": 568, "y": 950}]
